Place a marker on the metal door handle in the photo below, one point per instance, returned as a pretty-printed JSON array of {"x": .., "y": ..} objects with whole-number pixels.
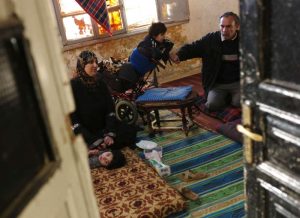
[{"x": 247, "y": 132}]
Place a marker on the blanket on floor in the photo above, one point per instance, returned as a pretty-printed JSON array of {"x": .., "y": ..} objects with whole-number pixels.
[{"x": 135, "y": 190}]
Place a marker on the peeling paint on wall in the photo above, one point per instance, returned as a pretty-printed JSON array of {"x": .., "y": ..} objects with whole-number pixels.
[{"x": 121, "y": 49}]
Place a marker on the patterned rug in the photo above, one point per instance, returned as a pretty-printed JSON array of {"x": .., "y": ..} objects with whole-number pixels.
[
  {"x": 221, "y": 194},
  {"x": 134, "y": 191}
]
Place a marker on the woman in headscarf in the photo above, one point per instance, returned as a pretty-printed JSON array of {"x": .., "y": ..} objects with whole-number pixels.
[{"x": 94, "y": 116}]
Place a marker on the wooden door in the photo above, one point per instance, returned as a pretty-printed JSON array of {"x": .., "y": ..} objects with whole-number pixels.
[
  {"x": 270, "y": 72},
  {"x": 67, "y": 191}
]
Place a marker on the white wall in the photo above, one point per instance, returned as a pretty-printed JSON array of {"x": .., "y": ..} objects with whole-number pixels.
[
  {"x": 68, "y": 193},
  {"x": 204, "y": 16}
]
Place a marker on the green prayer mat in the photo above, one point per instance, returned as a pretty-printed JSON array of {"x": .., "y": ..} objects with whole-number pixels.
[{"x": 221, "y": 194}]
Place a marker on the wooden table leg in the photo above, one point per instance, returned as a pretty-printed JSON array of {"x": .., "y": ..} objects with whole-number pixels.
[
  {"x": 142, "y": 115},
  {"x": 149, "y": 122},
  {"x": 190, "y": 112},
  {"x": 184, "y": 122},
  {"x": 157, "y": 118}
]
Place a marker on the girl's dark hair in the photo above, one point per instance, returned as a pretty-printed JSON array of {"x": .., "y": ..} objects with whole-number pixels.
[
  {"x": 157, "y": 28},
  {"x": 118, "y": 160}
]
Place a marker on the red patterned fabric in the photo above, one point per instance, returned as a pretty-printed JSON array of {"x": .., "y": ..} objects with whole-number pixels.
[
  {"x": 228, "y": 114},
  {"x": 97, "y": 10},
  {"x": 224, "y": 121},
  {"x": 229, "y": 129},
  {"x": 135, "y": 190}
]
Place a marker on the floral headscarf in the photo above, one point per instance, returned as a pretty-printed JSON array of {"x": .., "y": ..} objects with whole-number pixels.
[{"x": 84, "y": 58}]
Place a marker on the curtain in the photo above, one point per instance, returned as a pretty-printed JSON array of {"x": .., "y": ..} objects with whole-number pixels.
[{"x": 98, "y": 11}]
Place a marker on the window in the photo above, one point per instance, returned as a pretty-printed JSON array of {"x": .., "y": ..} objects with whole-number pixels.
[{"x": 125, "y": 16}]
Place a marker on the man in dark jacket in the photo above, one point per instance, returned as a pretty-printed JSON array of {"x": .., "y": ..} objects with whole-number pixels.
[{"x": 220, "y": 62}]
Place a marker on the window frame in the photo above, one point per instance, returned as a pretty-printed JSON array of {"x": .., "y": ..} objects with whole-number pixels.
[
  {"x": 72, "y": 44},
  {"x": 96, "y": 36}
]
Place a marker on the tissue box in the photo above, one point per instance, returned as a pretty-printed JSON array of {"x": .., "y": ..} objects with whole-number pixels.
[
  {"x": 161, "y": 169},
  {"x": 149, "y": 152}
]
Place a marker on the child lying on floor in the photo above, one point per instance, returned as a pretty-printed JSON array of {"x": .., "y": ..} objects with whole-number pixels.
[{"x": 110, "y": 159}]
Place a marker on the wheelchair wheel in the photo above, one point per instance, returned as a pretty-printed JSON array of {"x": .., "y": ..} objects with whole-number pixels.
[{"x": 126, "y": 111}]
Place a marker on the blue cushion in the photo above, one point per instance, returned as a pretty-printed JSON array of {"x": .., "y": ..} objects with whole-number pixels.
[{"x": 165, "y": 94}]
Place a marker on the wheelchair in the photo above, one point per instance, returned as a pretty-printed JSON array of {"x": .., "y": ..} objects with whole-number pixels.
[{"x": 126, "y": 84}]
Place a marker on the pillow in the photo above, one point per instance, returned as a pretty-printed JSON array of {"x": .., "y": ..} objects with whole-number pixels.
[{"x": 165, "y": 94}]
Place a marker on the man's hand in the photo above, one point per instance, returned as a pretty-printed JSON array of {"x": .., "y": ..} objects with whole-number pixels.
[{"x": 174, "y": 57}]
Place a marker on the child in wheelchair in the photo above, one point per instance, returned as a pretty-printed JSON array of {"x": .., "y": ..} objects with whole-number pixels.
[
  {"x": 147, "y": 57},
  {"x": 126, "y": 80}
]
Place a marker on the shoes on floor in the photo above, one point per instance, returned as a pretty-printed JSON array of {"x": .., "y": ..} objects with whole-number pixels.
[
  {"x": 189, "y": 194},
  {"x": 189, "y": 176}
]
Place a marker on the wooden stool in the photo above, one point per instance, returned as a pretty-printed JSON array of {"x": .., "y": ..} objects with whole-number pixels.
[{"x": 148, "y": 106}]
